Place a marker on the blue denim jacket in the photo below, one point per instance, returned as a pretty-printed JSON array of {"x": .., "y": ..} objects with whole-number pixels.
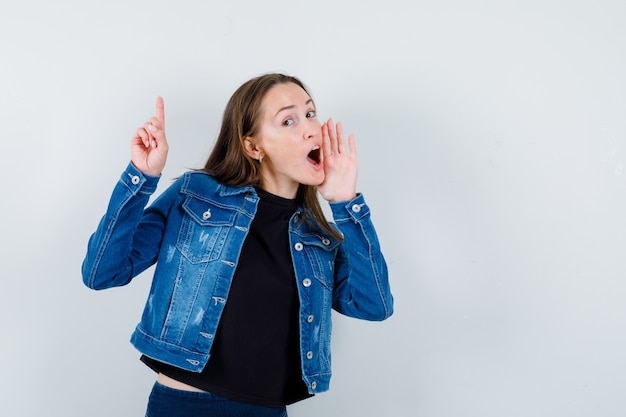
[{"x": 194, "y": 231}]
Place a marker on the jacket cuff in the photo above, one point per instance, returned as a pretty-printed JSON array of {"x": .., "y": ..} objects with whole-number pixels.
[
  {"x": 355, "y": 209},
  {"x": 139, "y": 182}
]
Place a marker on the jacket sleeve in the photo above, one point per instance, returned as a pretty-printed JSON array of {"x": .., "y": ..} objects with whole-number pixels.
[
  {"x": 125, "y": 242},
  {"x": 361, "y": 281}
]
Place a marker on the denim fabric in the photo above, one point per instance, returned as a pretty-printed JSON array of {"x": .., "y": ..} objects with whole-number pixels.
[
  {"x": 194, "y": 232},
  {"x": 170, "y": 402}
]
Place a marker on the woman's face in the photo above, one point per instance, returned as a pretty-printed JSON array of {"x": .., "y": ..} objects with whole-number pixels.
[{"x": 290, "y": 140}]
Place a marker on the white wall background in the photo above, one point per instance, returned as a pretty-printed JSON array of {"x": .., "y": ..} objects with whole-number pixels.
[{"x": 492, "y": 145}]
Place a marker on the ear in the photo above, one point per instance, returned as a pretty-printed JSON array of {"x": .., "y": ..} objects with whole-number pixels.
[{"x": 250, "y": 148}]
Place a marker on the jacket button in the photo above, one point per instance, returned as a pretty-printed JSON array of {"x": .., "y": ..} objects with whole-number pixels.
[
  {"x": 306, "y": 282},
  {"x": 326, "y": 241},
  {"x": 356, "y": 208},
  {"x": 298, "y": 246},
  {"x": 207, "y": 214},
  {"x": 134, "y": 179},
  {"x": 310, "y": 319},
  {"x": 313, "y": 385},
  {"x": 309, "y": 355}
]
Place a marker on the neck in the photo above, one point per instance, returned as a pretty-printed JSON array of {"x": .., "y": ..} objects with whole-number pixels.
[{"x": 289, "y": 191}]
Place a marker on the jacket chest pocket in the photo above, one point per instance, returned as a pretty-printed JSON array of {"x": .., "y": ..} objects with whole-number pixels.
[
  {"x": 204, "y": 229},
  {"x": 320, "y": 253}
]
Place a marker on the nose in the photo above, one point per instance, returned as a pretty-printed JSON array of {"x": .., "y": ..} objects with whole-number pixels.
[{"x": 312, "y": 129}]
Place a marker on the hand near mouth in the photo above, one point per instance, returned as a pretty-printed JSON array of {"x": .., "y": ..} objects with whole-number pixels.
[{"x": 340, "y": 164}]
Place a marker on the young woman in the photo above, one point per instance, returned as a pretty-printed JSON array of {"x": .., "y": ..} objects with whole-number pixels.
[{"x": 238, "y": 319}]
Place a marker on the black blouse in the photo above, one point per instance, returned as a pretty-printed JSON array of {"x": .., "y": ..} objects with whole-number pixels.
[{"x": 255, "y": 357}]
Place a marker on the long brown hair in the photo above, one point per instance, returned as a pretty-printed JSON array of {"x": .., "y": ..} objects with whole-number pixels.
[{"x": 231, "y": 165}]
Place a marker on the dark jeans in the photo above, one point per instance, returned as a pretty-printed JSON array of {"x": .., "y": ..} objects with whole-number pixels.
[{"x": 169, "y": 402}]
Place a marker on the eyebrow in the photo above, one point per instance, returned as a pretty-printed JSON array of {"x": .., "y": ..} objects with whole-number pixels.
[{"x": 293, "y": 106}]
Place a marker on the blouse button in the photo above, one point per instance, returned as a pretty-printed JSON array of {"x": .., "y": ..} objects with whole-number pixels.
[
  {"x": 298, "y": 246},
  {"x": 306, "y": 282}
]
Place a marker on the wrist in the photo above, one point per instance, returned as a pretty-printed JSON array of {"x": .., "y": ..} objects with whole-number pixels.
[{"x": 342, "y": 198}]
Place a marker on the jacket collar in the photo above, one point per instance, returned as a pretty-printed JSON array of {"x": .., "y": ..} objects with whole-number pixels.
[{"x": 226, "y": 191}]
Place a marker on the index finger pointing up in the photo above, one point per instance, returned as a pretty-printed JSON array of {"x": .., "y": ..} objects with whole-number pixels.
[{"x": 160, "y": 111}]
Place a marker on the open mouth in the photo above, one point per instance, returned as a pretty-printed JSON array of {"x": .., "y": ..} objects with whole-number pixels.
[{"x": 315, "y": 156}]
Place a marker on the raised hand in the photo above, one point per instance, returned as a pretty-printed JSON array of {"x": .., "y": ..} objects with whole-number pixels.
[
  {"x": 149, "y": 147},
  {"x": 340, "y": 164}
]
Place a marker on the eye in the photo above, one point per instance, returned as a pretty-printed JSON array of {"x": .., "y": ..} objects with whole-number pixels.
[
  {"x": 288, "y": 122},
  {"x": 311, "y": 114}
]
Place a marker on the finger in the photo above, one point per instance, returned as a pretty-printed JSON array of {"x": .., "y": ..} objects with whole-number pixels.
[
  {"x": 143, "y": 136},
  {"x": 160, "y": 111},
  {"x": 341, "y": 146},
  {"x": 154, "y": 121},
  {"x": 155, "y": 128},
  {"x": 352, "y": 146},
  {"x": 333, "y": 136},
  {"x": 151, "y": 130},
  {"x": 150, "y": 127},
  {"x": 326, "y": 140}
]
